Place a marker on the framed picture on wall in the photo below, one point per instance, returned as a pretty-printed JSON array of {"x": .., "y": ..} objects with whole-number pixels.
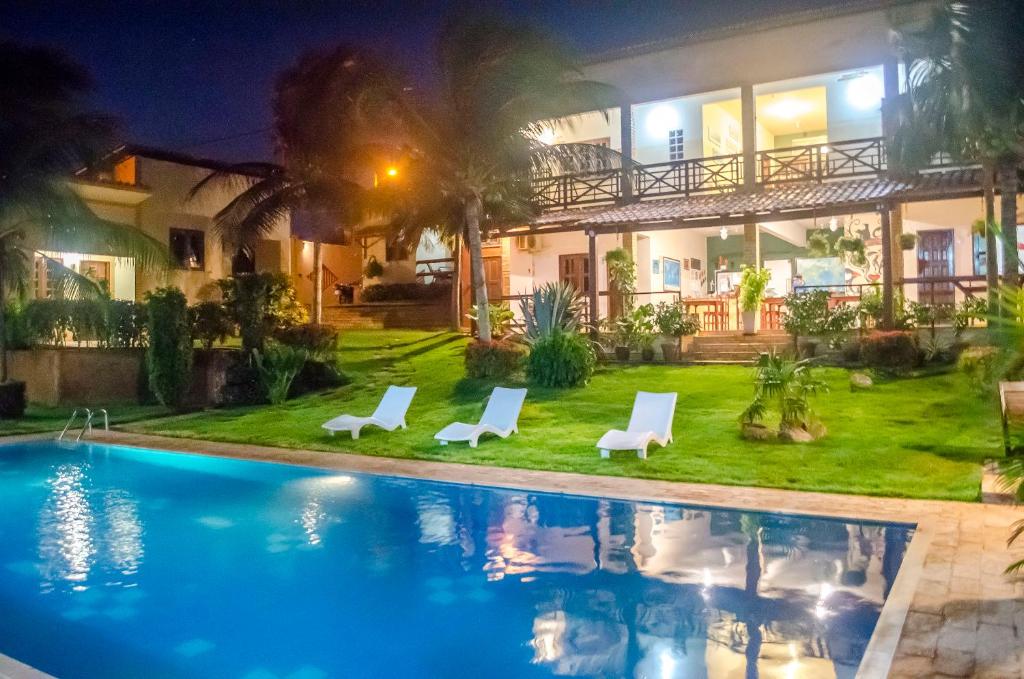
[
  {"x": 656, "y": 266},
  {"x": 671, "y": 277}
]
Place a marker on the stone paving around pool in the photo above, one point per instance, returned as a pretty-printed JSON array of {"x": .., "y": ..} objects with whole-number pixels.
[{"x": 964, "y": 618}]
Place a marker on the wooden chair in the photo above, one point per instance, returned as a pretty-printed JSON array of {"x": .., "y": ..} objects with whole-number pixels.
[{"x": 1011, "y": 404}]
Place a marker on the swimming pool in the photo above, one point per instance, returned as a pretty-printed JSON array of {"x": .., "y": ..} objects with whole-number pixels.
[{"x": 122, "y": 562}]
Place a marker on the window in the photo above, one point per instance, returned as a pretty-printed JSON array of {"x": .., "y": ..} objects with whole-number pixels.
[
  {"x": 188, "y": 248},
  {"x": 675, "y": 145},
  {"x": 47, "y": 274},
  {"x": 396, "y": 251},
  {"x": 980, "y": 254}
]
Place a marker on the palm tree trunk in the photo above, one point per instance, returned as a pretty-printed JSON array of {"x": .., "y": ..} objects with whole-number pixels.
[
  {"x": 991, "y": 260},
  {"x": 318, "y": 282},
  {"x": 456, "y": 296},
  {"x": 476, "y": 261},
  {"x": 1008, "y": 221}
]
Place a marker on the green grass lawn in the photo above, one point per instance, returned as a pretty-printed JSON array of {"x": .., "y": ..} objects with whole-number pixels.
[
  {"x": 43, "y": 418},
  {"x": 923, "y": 437}
]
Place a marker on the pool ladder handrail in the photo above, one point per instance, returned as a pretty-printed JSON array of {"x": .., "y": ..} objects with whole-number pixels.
[{"x": 87, "y": 425}]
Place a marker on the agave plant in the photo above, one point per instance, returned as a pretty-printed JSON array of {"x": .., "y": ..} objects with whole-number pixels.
[{"x": 552, "y": 307}]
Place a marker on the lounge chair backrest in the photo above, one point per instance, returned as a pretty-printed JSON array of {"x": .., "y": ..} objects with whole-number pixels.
[
  {"x": 503, "y": 408},
  {"x": 394, "y": 404},
  {"x": 653, "y": 412}
]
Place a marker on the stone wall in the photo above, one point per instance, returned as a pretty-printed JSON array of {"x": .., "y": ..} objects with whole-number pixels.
[
  {"x": 86, "y": 376},
  {"x": 418, "y": 315}
]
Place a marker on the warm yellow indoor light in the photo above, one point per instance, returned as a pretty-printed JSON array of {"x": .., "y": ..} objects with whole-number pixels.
[{"x": 392, "y": 171}]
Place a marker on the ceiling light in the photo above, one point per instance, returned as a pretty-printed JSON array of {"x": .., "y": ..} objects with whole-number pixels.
[
  {"x": 546, "y": 136},
  {"x": 864, "y": 92},
  {"x": 661, "y": 119},
  {"x": 724, "y": 232},
  {"x": 787, "y": 108}
]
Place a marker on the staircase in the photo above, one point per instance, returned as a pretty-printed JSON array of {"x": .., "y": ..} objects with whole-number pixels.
[{"x": 733, "y": 347}]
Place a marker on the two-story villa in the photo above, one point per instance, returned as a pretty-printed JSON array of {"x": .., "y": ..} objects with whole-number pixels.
[{"x": 739, "y": 143}]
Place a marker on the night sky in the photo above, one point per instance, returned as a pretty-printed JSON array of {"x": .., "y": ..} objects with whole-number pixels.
[{"x": 196, "y": 77}]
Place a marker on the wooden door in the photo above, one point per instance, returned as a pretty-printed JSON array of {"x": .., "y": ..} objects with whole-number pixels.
[
  {"x": 575, "y": 270},
  {"x": 492, "y": 275},
  {"x": 935, "y": 260}
]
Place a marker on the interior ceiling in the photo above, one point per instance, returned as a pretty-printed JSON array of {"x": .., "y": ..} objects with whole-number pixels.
[{"x": 794, "y": 112}]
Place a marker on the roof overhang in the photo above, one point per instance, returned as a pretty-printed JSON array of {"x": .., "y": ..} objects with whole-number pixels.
[
  {"x": 109, "y": 192},
  {"x": 778, "y": 203}
]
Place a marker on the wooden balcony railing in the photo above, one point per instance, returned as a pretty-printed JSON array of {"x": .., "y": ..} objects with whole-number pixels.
[
  {"x": 815, "y": 163},
  {"x": 687, "y": 177}
]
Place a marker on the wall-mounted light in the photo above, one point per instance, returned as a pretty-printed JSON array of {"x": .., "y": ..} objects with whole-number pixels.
[
  {"x": 724, "y": 233},
  {"x": 546, "y": 136},
  {"x": 392, "y": 171},
  {"x": 864, "y": 92},
  {"x": 661, "y": 119},
  {"x": 833, "y": 224}
]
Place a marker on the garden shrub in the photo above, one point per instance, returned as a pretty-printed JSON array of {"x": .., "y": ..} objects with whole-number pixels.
[
  {"x": 982, "y": 366},
  {"x": 895, "y": 350},
  {"x": 278, "y": 364},
  {"x": 260, "y": 303},
  {"x": 561, "y": 359},
  {"x": 317, "y": 375},
  {"x": 169, "y": 358},
  {"x": 17, "y": 331},
  {"x": 209, "y": 323},
  {"x": 242, "y": 384},
  {"x": 125, "y": 324},
  {"x": 494, "y": 360},
  {"x": 12, "y": 399},
  {"x": 850, "y": 351},
  {"x": 48, "y": 320},
  {"x": 403, "y": 292},
  {"x": 319, "y": 340}
]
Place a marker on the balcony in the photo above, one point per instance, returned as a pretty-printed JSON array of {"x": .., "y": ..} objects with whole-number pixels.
[{"x": 719, "y": 174}]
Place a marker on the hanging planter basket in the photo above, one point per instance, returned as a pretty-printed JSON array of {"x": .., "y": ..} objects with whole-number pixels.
[{"x": 908, "y": 241}]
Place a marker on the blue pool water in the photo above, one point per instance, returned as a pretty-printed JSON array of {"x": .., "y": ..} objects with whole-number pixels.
[{"x": 119, "y": 562}]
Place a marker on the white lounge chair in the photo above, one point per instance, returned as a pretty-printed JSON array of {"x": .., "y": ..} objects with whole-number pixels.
[
  {"x": 651, "y": 421},
  {"x": 501, "y": 417},
  {"x": 389, "y": 415}
]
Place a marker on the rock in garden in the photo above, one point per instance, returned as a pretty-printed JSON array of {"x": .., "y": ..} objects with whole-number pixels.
[
  {"x": 757, "y": 432},
  {"x": 860, "y": 382},
  {"x": 795, "y": 435}
]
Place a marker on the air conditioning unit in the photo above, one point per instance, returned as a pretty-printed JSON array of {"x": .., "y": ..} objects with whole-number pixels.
[{"x": 528, "y": 243}]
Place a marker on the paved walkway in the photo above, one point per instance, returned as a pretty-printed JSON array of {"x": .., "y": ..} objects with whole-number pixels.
[{"x": 963, "y": 617}]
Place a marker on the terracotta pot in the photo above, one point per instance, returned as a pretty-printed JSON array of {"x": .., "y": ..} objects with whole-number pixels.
[{"x": 622, "y": 353}]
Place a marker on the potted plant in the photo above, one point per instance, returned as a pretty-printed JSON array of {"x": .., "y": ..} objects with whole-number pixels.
[
  {"x": 674, "y": 325},
  {"x": 374, "y": 269},
  {"x": 635, "y": 330},
  {"x": 908, "y": 241},
  {"x": 753, "y": 284}
]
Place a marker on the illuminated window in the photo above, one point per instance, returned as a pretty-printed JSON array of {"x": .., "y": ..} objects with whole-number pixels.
[
  {"x": 675, "y": 145},
  {"x": 188, "y": 248}
]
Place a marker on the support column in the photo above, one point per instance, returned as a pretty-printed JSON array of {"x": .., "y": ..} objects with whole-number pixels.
[
  {"x": 896, "y": 230},
  {"x": 887, "y": 291},
  {"x": 991, "y": 248},
  {"x": 748, "y": 115},
  {"x": 752, "y": 245},
  {"x": 626, "y": 143},
  {"x": 592, "y": 283}
]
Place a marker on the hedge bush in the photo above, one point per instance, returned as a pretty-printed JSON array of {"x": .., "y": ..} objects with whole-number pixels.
[
  {"x": 319, "y": 340},
  {"x": 561, "y": 359},
  {"x": 210, "y": 322},
  {"x": 894, "y": 350},
  {"x": 493, "y": 360},
  {"x": 169, "y": 358},
  {"x": 400, "y": 292},
  {"x": 982, "y": 366}
]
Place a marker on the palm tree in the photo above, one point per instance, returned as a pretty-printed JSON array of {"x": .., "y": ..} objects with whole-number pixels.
[
  {"x": 47, "y": 133},
  {"x": 321, "y": 144},
  {"x": 964, "y": 99},
  {"x": 468, "y": 152}
]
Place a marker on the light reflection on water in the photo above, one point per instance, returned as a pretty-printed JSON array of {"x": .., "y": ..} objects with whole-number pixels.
[{"x": 525, "y": 584}]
